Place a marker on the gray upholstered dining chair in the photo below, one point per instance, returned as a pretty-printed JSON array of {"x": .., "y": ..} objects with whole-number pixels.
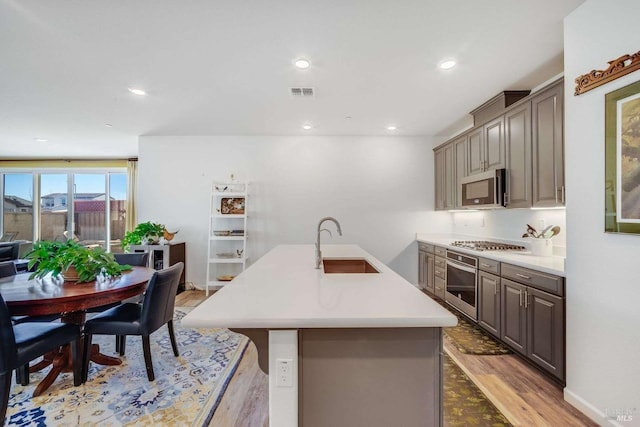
[
  {"x": 19, "y": 344},
  {"x": 139, "y": 319}
]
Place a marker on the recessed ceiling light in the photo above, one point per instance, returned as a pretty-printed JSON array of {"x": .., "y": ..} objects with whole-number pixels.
[
  {"x": 108, "y": 125},
  {"x": 302, "y": 63},
  {"x": 392, "y": 127},
  {"x": 136, "y": 91},
  {"x": 40, "y": 139},
  {"x": 447, "y": 64},
  {"x": 306, "y": 127}
]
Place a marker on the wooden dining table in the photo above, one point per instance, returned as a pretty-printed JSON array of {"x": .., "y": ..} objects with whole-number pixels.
[{"x": 34, "y": 297}]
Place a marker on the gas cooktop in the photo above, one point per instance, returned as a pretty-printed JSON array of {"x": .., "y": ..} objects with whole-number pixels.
[{"x": 484, "y": 245}]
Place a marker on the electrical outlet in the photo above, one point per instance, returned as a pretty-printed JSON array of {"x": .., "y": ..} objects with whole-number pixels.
[{"x": 284, "y": 372}]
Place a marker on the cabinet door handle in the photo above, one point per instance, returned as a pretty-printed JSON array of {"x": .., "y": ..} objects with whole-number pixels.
[
  {"x": 526, "y": 298},
  {"x": 562, "y": 194},
  {"x": 523, "y": 276},
  {"x": 495, "y": 288},
  {"x": 438, "y": 272},
  {"x": 520, "y": 297},
  {"x": 485, "y": 265}
]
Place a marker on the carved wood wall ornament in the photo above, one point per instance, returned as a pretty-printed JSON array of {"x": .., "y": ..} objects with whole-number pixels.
[{"x": 617, "y": 68}]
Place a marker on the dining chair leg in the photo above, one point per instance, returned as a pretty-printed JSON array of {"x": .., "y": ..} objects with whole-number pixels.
[
  {"x": 22, "y": 375},
  {"x": 172, "y": 337},
  {"x": 117, "y": 343},
  {"x": 85, "y": 357},
  {"x": 122, "y": 346},
  {"x": 5, "y": 387},
  {"x": 146, "y": 348},
  {"x": 76, "y": 351}
]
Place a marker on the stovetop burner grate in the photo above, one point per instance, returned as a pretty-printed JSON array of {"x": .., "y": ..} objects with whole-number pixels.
[{"x": 485, "y": 245}]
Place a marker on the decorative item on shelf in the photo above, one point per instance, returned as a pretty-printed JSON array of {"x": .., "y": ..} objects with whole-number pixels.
[
  {"x": 76, "y": 263},
  {"x": 239, "y": 252},
  {"x": 221, "y": 233},
  {"x": 168, "y": 236},
  {"x": 225, "y": 278},
  {"x": 232, "y": 206},
  {"x": 225, "y": 255},
  {"x": 145, "y": 233},
  {"x": 541, "y": 244},
  {"x": 237, "y": 233}
]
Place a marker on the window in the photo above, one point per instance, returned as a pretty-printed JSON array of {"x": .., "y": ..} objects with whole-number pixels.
[
  {"x": 18, "y": 205},
  {"x": 87, "y": 206}
]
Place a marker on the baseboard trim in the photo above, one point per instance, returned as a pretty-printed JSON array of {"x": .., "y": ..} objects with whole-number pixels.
[{"x": 588, "y": 409}]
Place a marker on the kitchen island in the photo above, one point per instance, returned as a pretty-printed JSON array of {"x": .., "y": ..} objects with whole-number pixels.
[{"x": 343, "y": 349}]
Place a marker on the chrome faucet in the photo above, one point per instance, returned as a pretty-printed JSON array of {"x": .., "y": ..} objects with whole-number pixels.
[{"x": 320, "y": 229}]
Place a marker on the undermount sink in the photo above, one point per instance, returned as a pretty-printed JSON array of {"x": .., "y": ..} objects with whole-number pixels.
[{"x": 352, "y": 265}]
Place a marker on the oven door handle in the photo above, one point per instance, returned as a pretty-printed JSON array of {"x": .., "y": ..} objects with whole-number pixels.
[{"x": 461, "y": 267}]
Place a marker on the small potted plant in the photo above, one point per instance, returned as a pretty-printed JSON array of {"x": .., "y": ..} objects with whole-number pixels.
[
  {"x": 145, "y": 233},
  {"x": 75, "y": 262}
]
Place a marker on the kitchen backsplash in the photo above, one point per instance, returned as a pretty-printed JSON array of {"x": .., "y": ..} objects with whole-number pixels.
[{"x": 510, "y": 224}]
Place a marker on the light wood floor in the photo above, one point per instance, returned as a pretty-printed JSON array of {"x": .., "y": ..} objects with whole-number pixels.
[{"x": 524, "y": 395}]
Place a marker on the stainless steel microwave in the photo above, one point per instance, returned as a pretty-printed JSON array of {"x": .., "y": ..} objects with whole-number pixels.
[{"x": 484, "y": 190}]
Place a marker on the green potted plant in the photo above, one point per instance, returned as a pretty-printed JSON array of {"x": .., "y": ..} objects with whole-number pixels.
[
  {"x": 74, "y": 261},
  {"x": 145, "y": 233}
]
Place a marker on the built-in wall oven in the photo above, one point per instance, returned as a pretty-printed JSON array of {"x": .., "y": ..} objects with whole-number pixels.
[{"x": 462, "y": 281}]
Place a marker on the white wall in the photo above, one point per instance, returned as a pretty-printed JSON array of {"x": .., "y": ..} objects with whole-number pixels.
[
  {"x": 379, "y": 188},
  {"x": 603, "y": 290}
]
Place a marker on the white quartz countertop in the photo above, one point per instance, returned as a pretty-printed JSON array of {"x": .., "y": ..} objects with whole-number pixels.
[
  {"x": 284, "y": 290},
  {"x": 550, "y": 264}
]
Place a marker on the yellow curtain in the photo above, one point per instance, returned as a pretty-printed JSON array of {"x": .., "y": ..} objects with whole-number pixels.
[{"x": 132, "y": 193}]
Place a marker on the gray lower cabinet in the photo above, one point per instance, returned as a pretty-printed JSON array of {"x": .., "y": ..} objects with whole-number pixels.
[
  {"x": 547, "y": 113},
  {"x": 533, "y": 325},
  {"x": 545, "y": 331},
  {"x": 439, "y": 271},
  {"x": 422, "y": 263},
  {"x": 426, "y": 259},
  {"x": 489, "y": 302},
  {"x": 429, "y": 277},
  {"x": 514, "y": 319}
]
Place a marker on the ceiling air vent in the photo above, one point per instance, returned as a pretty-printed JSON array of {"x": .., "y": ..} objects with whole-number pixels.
[{"x": 302, "y": 92}]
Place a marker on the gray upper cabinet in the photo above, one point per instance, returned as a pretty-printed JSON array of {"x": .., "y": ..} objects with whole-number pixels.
[
  {"x": 548, "y": 147},
  {"x": 460, "y": 151},
  {"x": 445, "y": 191},
  {"x": 527, "y": 139},
  {"x": 494, "y": 149},
  {"x": 475, "y": 145},
  {"x": 438, "y": 160},
  {"x": 486, "y": 148},
  {"x": 517, "y": 124}
]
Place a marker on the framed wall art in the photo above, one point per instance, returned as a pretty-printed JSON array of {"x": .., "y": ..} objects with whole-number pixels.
[
  {"x": 232, "y": 206},
  {"x": 622, "y": 160}
]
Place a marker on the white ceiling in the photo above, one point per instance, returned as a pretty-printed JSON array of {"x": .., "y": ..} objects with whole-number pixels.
[{"x": 215, "y": 67}]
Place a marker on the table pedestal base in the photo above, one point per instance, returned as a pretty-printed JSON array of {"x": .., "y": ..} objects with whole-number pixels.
[{"x": 63, "y": 362}]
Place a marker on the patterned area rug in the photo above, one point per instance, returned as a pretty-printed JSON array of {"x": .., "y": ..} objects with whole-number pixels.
[
  {"x": 186, "y": 391},
  {"x": 470, "y": 339},
  {"x": 464, "y": 403}
]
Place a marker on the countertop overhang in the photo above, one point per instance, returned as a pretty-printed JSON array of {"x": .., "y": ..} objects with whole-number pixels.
[
  {"x": 283, "y": 289},
  {"x": 550, "y": 264}
]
